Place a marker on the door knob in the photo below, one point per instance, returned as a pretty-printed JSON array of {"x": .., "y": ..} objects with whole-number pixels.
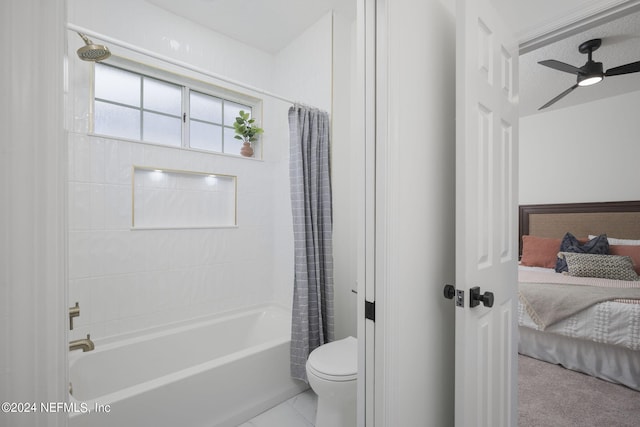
[
  {"x": 476, "y": 297},
  {"x": 449, "y": 291}
]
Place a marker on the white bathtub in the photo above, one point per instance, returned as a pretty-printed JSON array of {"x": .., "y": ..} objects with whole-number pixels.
[{"x": 217, "y": 371}]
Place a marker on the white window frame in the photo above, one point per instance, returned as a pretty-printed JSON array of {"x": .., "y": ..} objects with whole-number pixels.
[{"x": 187, "y": 84}]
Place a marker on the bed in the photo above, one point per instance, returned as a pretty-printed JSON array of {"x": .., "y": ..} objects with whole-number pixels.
[{"x": 601, "y": 337}]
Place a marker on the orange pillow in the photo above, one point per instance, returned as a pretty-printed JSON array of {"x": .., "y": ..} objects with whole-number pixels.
[
  {"x": 539, "y": 251},
  {"x": 627, "y": 250}
]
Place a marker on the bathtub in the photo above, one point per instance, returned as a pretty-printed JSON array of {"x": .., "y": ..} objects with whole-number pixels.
[{"x": 218, "y": 371}]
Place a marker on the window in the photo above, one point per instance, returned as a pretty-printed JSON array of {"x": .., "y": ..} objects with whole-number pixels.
[
  {"x": 211, "y": 123},
  {"x": 136, "y": 106}
]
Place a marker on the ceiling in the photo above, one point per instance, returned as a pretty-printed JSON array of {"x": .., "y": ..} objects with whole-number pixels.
[
  {"x": 270, "y": 25},
  {"x": 620, "y": 45}
]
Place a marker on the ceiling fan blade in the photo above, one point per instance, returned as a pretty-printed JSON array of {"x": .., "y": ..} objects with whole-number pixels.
[
  {"x": 634, "y": 67},
  {"x": 560, "y": 66},
  {"x": 559, "y": 97}
]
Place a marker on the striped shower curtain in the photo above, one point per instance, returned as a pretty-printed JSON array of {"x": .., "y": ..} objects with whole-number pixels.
[{"x": 309, "y": 173}]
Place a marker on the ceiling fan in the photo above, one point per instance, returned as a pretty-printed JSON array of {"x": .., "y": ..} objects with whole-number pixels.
[{"x": 590, "y": 73}]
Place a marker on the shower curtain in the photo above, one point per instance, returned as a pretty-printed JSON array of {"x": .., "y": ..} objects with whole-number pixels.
[{"x": 309, "y": 173}]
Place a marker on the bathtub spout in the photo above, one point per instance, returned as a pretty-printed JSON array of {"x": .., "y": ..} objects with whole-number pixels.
[{"x": 85, "y": 344}]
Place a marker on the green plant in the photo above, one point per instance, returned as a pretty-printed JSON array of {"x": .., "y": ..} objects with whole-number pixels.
[{"x": 246, "y": 129}]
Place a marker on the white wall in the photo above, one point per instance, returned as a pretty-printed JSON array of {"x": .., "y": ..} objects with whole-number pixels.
[
  {"x": 346, "y": 168},
  {"x": 586, "y": 153},
  {"x": 127, "y": 280},
  {"x": 145, "y": 25},
  {"x": 302, "y": 70}
]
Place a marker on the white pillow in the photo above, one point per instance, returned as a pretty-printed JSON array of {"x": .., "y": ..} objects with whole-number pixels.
[{"x": 614, "y": 241}]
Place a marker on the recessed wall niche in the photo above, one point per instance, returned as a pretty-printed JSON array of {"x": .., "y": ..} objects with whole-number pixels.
[{"x": 164, "y": 198}]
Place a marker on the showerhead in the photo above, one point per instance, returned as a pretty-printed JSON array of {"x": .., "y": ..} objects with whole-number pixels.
[{"x": 92, "y": 52}]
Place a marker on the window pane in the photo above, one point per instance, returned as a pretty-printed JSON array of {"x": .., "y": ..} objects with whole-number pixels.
[
  {"x": 162, "y": 129},
  {"x": 162, "y": 97},
  {"x": 117, "y": 85},
  {"x": 205, "y": 136},
  {"x": 232, "y": 110},
  {"x": 116, "y": 120},
  {"x": 205, "y": 107},
  {"x": 231, "y": 145}
]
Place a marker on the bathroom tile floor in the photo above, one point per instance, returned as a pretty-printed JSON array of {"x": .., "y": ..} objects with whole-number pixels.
[{"x": 299, "y": 411}]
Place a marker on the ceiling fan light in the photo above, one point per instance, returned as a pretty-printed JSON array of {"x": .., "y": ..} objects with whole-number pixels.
[{"x": 589, "y": 80}]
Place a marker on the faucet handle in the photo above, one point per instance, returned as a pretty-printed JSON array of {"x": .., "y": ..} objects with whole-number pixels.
[{"x": 73, "y": 312}]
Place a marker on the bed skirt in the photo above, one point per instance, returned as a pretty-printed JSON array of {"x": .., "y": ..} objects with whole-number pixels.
[{"x": 612, "y": 363}]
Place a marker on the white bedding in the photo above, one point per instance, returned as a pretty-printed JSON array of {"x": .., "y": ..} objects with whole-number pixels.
[
  {"x": 602, "y": 341},
  {"x": 612, "y": 323}
]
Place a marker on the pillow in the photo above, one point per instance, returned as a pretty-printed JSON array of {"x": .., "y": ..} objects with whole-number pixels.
[
  {"x": 602, "y": 266},
  {"x": 599, "y": 245},
  {"x": 614, "y": 241},
  {"x": 632, "y": 252},
  {"x": 539, "y": 251}
]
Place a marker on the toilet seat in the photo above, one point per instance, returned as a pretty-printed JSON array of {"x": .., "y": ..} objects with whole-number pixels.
[{"x": 335, "y": 361}]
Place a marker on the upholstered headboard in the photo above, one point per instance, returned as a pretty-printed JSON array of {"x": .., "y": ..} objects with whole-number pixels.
[{"x": 616, "y": 219}]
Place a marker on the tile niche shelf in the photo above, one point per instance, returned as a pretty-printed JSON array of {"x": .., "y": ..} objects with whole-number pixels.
[{"x": 170, "y": 199}]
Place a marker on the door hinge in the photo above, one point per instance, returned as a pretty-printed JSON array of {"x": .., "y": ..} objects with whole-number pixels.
[{"x": 370, "y": 310}]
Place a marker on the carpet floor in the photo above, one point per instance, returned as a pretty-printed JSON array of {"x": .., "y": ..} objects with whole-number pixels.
[{"x": 552, "y": 396}]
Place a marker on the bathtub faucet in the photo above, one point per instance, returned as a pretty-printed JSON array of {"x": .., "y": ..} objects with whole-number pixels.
[
  {"x": 85, "y": 344},
  {"x": 73, "y": 312}
]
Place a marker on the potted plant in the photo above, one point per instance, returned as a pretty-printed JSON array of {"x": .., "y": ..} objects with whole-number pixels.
[{"x": 247, "y": 132}]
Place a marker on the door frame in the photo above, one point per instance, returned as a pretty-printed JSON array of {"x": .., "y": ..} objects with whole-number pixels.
[
  {"x": 399, "y": 291},
  {"x": 366, "y": 328},
  {"x": 34, "y": 213}
]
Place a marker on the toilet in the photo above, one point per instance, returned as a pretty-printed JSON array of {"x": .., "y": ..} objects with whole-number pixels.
[{"x": 332, "y": 371}]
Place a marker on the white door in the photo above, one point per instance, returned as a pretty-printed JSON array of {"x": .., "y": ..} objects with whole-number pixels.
[{"x": 486, "y": 209}]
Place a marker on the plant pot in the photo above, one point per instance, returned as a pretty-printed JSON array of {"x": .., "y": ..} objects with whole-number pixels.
[{"x": 246, "y": 149}]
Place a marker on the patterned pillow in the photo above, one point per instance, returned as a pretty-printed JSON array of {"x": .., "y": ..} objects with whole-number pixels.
[
  {"x": 598, "y": 245},
  {"x": 603, "y": 266},
  {"x": 627, "y": 250},
  {"x": 614, "y": 241}
]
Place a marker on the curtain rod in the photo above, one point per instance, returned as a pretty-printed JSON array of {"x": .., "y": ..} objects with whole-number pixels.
[{"x": 172, "y": 61}]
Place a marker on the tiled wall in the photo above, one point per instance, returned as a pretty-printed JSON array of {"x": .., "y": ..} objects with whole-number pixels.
[
  {"x": 128, "y": 279},
  {"x": 177, "y": 199}
]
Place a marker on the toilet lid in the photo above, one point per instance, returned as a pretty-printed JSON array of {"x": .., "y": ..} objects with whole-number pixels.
[{"x": 335, "y": 361}]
